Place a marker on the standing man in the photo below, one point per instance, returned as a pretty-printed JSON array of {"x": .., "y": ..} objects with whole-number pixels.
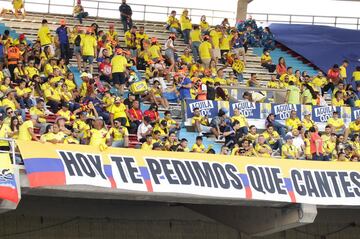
[
  {"x": 62, "y": 33},
  {"x": 45, "y": 37},
  {"x": 125, "y": 15},
  {"x": 88, "y": 49},
  {"x": 118, "y": 70}
]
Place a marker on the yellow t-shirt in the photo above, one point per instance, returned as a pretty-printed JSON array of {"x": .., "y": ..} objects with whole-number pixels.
[
  {"x": 39, "y": 113},
  {"x": 215, "y": 38},
  {"x": 98, "y": 137},
  {"x": 329, "y": 147},
  {"x": 308, "y": 123},
  {"x": 154, "y": 51},
  {"x": 128, "y": 41},
  {"x": 336, "y": 102},
  {"x": 185, "y": 23},
  {"x": 204, "y": 25},
  {"x": 53, "y": 93},
  {"x": 4, "y": 88},
  {"x": 8, "y": 103},
  {"x": 198, "y": 149},
  {"x": 141, "y": 36},
  {"x": 222, "y": 81},
  {"x": 118, "y": 64},
  {"x": 70, "y": 85},
  {"x": 112, "y": 35},
  {"x": 343, "y": 71},
  {"x": 44, "y": 35},
  {"x": 24, "y": 130},
  {"x": 354, "y": 128},
  {"x": 265, "y": 58},
  {"x": 116, "y": 134},
  {"x": 4, "y": 130},
  {"x": 66, "y": 114},
  {"x": 356, "y": 75},
  {"x": 225, "y": 42},
  {"x": 290, "y": 149},
  {"x": 18, "y": 4},
  {"x": 293, "y": 123},
  {"x": 338, "y": 123},
  {"x": 201, "y": 119},
  {"x": 204, "y": 50},
  {"x": 31, "y": 71},
  {"x": 195, "y": 36},
  {"x": 275, "y": 135},
  {"x": 186, "y": 59},
  {"x": 48, "y": 70},
  {"x": 241, "y": 118},
  {"x": 319, "y": 81},
  {"x": 259, "y": 147},
  {"x": 252, "y": 137},
  {"x": 173, "y": 22},
  {"x": 88, "y": 43},
  {"x": 22, "y": 92},
  {"x": 118, "y": 111},
  {"x": 146, "y": 146}
]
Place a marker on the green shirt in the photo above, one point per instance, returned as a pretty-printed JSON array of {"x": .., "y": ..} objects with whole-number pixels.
[{"x": 294, "y": 94}]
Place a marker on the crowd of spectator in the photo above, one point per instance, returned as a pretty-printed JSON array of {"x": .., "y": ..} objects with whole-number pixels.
[{"x": 105, "y": 109}]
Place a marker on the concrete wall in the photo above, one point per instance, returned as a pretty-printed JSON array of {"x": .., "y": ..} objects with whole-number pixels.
[{"x": 40, "y": 217}]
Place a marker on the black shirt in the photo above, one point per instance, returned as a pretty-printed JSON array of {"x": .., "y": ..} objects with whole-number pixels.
[{"x": 125, "y": 9}]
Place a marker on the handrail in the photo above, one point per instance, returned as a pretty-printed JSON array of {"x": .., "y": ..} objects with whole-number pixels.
[
  {"x": 108, "y": 9},
  {"x": 336, "y": 21}
]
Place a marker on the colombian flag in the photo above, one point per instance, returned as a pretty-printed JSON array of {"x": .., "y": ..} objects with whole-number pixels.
[{"x": 8, "y": 189}]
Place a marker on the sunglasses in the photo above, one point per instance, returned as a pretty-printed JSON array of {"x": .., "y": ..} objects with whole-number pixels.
[{"x": 10, "y": 112}]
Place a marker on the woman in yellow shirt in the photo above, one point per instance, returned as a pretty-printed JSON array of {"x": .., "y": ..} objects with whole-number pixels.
[
  {"x": 155, "y": 50},
  {"x": 62, "y": 66},
  {"x": 187, "y": 58},
  {"x": 69, "y": 81},
  {"x": 204, "y": 25},
  {"x": 186, "y": 26},
  {"x": 23, "y": 95}
]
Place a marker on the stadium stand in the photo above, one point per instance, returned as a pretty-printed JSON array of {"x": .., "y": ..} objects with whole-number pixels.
[{"x": 91, "y": 83}]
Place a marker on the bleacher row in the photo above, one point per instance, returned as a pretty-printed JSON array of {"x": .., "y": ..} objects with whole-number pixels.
[{"x": 32, "y": 22}]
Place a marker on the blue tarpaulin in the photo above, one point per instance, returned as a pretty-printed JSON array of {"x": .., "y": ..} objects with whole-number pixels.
[{"x": 324, "y": 46}]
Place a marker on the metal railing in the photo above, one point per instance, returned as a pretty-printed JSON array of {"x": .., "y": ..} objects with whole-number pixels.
[
  {"x": 335, "y": 21},
  {"x": 12, "y": 149},
  {"x": 110, "y": 9}
]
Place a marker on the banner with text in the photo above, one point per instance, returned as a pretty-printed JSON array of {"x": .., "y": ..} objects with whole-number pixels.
[
  {"x": 8, "y": 188},
  {"x": 190, "y": 174}
]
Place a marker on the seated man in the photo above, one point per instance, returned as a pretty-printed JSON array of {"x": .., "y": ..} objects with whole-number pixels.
[
  {"x": 272, "y": 137},
  {"x": 288, "y": 150},
  {"x": 201, "y": 124},
  {"x": 262, "y": 149},
  {"x": 354, "y": 127},
  {"x": 266, "y": 61},
  {"x": 198, "y": 147},
  {"x": 293, "y": 122},
  {"x": 337, "y": 124}
]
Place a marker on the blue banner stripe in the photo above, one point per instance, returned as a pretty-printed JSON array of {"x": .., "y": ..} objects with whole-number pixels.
[
  {"x": 38, "y": 165},
  {"x": 108, "y": 171},
  {"x": 145, "y": 173}
]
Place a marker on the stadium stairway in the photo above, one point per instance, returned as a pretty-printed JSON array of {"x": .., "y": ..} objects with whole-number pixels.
[{"x": 290, "y": 60}]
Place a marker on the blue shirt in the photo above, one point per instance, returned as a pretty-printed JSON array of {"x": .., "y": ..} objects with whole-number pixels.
[
  {"x": 62, "y": 34},
  {"x": 185, "y": 92},
  {"x": 1, "y": 50}
]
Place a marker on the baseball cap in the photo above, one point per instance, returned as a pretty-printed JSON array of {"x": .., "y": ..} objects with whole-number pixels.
[
  {"x": 84, "y": 74},
  {"x": 287, "y": 137}
]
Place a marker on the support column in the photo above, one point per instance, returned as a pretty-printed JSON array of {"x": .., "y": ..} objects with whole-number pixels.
[
  {"x": 241, "y": 10},
  {"x": 259, "y": 221}
]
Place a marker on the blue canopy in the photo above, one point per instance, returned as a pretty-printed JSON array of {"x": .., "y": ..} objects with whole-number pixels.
[{"x": 324, "y": 46}]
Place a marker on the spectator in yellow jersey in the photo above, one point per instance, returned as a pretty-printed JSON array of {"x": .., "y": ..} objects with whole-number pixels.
[
  {"x": 354, "y": 127},
  {"x": 130, "y": 41},
  {"x": 186, "y": 58},
  {"x": 307, "y": 122},
  {"x": 205, "y": 51},
  {"x": 88, "y": 49},
  {"x": 119, "y": 134},
  {"x": 262, "y": 149},
  {"x": 195, "y": 41},
  {"x": 204, "y": 25},
  {"x": 118, "y": 70},
  {"x": 173, "y": 24},
  {"x": 148, "y": 144},
  {"x": 356, "y": 76},
  {"x": 338, "y": 100},
  {"x": 112, "y": 34},
  {"x": 337, "y": 124},
  {"x": 216, "y": 36},
  {"x": 26, "y": 130},
  {"x": 186, "y": 26},
  {"x": 79, "y": 12},
  {"x": 45, "y": 37},
  {"x": 200, "y": 123},
  {"x": 198, "y": 147},
  {"x": 293, "y": 122},
  {"x": 288, "y": 150},
  {"x": 99, "y": 136},
  {"x": 342, "y": 68}
]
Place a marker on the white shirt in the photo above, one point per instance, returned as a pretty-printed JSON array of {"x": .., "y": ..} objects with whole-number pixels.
[{"x": 142, "y": 129}]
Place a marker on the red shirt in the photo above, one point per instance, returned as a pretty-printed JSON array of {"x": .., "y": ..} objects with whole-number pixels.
[
  {"x": 334, "y": 76},
  {"x": 152, "y": 114},
  {"x": 281, "y": 69},
  {"x": 136, "y": 114},
  {"x": 314, "y": 137},
  {"x": 105, "y": 68}
]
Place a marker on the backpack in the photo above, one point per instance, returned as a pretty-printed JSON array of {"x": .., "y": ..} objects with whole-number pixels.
[{"x": 77, "y": 40}]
